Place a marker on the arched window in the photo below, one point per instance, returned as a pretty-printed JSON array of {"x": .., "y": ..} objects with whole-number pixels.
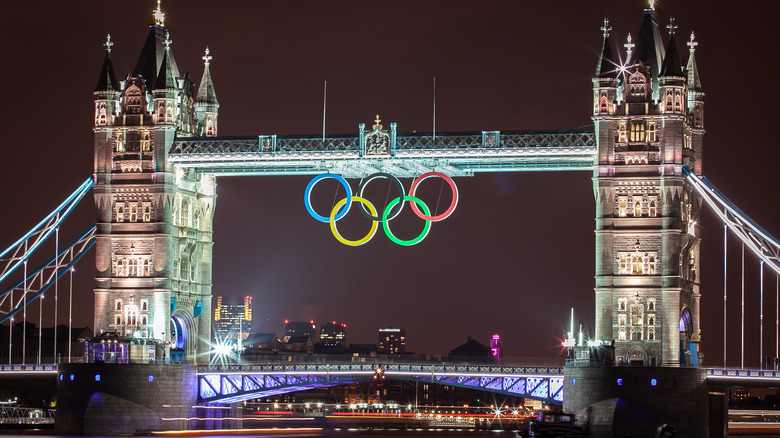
[
  {"x": 651, "y": 304},
  {"x": 169, "y": 114},
  {"x": 118, "y": 305},
  {"x": 118, "y": 320},
  {"x": 132, "y": 267},
  {"x": 145, "y": 268},
  {"x": 120, "y": 268},
  {"x": 603, "y": 104},
  {"x": 637, "y": 208},
  {"x": 637, "y": 264},
  {"x": 668, "y": 101},
  {"x": 133, "y": 213},
  {"x": 622, "y": 335},
  {"x": 678, "y": 102},
  {"x": 146, "y": 142},
  {"x": 622, "y": 207},
  {"x": 184, "y": 218},
  {"x": 651, "y": 334},
  {"x": 147, "y": 212},
  {"x": 144, "y": 305},
  {"x": 131, "y": 314},
  {"x": 101, "y": 114},
  {"x": 697, "y": 117},
  {"x": 144, "y": 320},
  {"x": 651, "y": 132},
  {"x": 120, "y": 214},
  {"x": 622, "y": 320},
  {"x": 622, "y": 138},
  {"x": 651, "y": 208},
  {"x": 637, "y": 131},
  {"x": 651, "y": 320},
  {"x": 161, "y": 113}
]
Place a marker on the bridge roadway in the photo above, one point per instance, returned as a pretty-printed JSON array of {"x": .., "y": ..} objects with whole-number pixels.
[
  {"x": 238, "y": 382},
  {"x": 403, "y": 155}
]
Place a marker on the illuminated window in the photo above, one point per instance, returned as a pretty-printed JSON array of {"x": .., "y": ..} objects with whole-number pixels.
[
  {"x": 636, "y": 334},
  {"x": 603, "y": 104},
  {"x": 651, "y": 304},
  {"x": 637, "y": 208},
  {"x": 120, "y": 214},
  {"x": 637, "y": 87},
  {"x": 637, "y": 315},
  {"x": 669, "y": 101},
  {"x": 120, "y": 143},
  {"x": 678, "y": 101},
  {"x": 161, "y": 113},
  {"x": 637, "y": 131},
  {"x": 169, "y": 114},
  {"x": 652, "y": 208},
  {"x": 131, "y": 314},
  {"x": 622, "y": 206},
  {"x": 651, "y": 334},
  {"x": 637, "y": 264},
  {"x": 120, "y": 268},
  {"x": 651, "y": 132},
  {"x": 209, "y": 127},
  {"x": 147, "y": 217},
  {"x": 622, "y": 302},
  {"x": 622, "y": 335},
  {"x": 133, "y": 213},
  {"x": 100, "y": 119},
  {"x": 622, "y": 320},
  {"x": 145, "y": 267},
  {"x": 146, "y": 143},
  {"x": 622, "y": 138},
  {"x": 132, "y": 267}
]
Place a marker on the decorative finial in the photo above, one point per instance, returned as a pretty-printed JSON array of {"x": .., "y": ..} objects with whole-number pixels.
[
  {"x": 167, "y": 41},
  {"x": 671, "y": 26},
  {"x": 159, "y": 17},
  {"x": 605, "y": 28},
  {"x": 692, "y": 44},
  {"x": 108, "y": 43},
  {"x": 629, "y": 47},
  {"x": 207, "y": 58},
  {"x": 377, "y": 124}
]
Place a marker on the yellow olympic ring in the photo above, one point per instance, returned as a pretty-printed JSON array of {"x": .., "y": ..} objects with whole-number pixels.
[{"x": 335, "y": 211}]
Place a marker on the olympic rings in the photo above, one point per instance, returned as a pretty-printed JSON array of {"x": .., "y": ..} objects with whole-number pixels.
[
  {"x": 333, "y": 220},
  {"x": 386, "y": 222},
  {"x": 307, "y": 196},
  {"x": 391, "y": 211},
  {"x": 364, "y": 182},
  {"x": 452, "y": 206}
]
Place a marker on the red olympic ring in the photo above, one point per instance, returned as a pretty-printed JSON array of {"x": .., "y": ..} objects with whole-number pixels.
[{"x": 452, "y": 206}]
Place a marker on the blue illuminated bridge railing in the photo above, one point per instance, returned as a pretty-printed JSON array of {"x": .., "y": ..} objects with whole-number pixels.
[
  {"x": 403, "y": 155},
  {"x": 234, "y": 383}
]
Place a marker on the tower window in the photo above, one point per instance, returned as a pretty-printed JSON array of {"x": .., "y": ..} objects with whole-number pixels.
[
  {"x": 678, "y": 101},
  {"x": 651, "y": 304},
  {"x": 120, "y": 214},
  {"x": 622, "y": 320},
  {"x": 622, "y": 138},
  {"x": 622, "y": 302},
  {"x": 147, "y": 217},
  {"x": 622, "y": 206},
  {"x": 132, "y": 267},
  {"x": 636, "y": 334},
  {"x": 118, "y": 320},
  {"x": 146, "y": 142},
  {"x": 652, "y": 208},
  {"x": 637, "y": 263},
  {"x": 651, "y": 334},
  {"x": 650, "y": 319},
  {"x": 637, "y": 131},
  {"x": 133, "y": 213},
  {"x": 603, "y": 103},
  {"x": 622, "y": 335},
  {"x": 651, "y": 132},
  {"x": 669, "y": 101},
  {"x": 637, "y": 208}
]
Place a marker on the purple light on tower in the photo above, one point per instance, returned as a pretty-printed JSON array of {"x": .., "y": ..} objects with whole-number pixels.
[{"x": 495, "y": 347}]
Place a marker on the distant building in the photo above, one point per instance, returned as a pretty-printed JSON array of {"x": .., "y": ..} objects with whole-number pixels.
[
  {"x": 471, "y": 351},
  {"x": 295, "y": 329},
  {"x": 232, "y": 320},
  {"x": 495, "y": 347},
  {"x": 391, "y": 341},
  {"x": 333, "y": 335}
]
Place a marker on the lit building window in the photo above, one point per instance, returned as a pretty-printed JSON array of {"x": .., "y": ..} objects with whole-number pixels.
[
  {"x": 120, "y": 214},
  {"x": 622, "y": 206},
  {"x": 622, "y": 335},
  {"x": 637, "y": 315},
  {"x": 132, "y": 267},
  {"x": 637, "y": 208},
  {"x": 133, "y": 213},
  {"x": 622, "y": 302},
  {"x": 637, "y": 263},
  {"x": 147, "y": 217},
  {"x": 131, "y": 314},
  {"x": 652, "y": 211},
  {"x": 603, "y": 104},
  {"x": 636, "y": 334},
  {"x": 668, "y": 101},
  {"x": 637, "y": 131},
  {"x": 651, "y": 132},
  {"x": 146, "y": 142},
  {"x": 678, "y": 101},
  {"x": 622, "y": 138},
  {"x": 622, "y": 320}
]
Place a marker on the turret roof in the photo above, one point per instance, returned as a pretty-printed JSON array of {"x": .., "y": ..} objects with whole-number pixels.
[
  {"x": 152, "y": 54},
  {"x": 672, "y": 65},
  {"x": 649, "y": 46},
  {"x": 107, "y": 80},
  {"x": 166, "y": 79},
  {"x": 206, "y": 92}
]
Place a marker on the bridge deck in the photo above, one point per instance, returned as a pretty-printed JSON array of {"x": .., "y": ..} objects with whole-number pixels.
[{"x": 406, "y": 155}]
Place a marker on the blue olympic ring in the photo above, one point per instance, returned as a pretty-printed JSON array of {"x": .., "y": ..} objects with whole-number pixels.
[{"x": 307, "y": 196}]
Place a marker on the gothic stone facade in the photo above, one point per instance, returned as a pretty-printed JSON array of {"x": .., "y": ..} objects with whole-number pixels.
[{"x": 648, "y": 117}]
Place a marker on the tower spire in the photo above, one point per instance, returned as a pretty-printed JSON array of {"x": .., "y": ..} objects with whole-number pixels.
[
  {"x": 108, "y": 43},
  {"x": 206, "y": 104},
  {"x": 603, "y": 68}
]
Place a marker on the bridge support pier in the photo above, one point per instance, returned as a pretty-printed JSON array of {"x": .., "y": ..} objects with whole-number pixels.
[
  {"x": 635, "y": 401},
  {"x": 124, "y": 399}
]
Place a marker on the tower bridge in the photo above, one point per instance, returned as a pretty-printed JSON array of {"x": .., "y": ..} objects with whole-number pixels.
[{"x": 158, "y": 157}]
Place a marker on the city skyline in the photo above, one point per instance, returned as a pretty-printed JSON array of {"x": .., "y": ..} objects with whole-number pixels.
[{"x": 503, "y": 66}]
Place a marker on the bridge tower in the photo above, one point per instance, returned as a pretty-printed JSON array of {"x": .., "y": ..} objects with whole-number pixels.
[
  {"x": 154, "y": 224},
  {"x": 648, "y": 121}
]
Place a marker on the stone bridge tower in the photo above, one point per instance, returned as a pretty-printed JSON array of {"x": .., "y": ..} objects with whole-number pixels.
[
  {"x": 154, "y": 225},
  {"x": 648, "y": 120}
]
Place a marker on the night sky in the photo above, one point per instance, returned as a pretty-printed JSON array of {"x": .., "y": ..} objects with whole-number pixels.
[{"x": 517, "y": 253}]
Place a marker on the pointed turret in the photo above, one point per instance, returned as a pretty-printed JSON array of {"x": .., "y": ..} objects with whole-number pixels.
[
  {"x": 206, "y": 104},
  {"x": 607, "y": 67},
  {"x": 672, "y": 65},
  {"x": 107, "y": 81},
  {"x": 649, "y": 46},
  {"x": 153, "y": 51},
  {"x": 166, "y": 90},
  {"x": 107, "y": 90},
  {"x": 691, "y": 70}
]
